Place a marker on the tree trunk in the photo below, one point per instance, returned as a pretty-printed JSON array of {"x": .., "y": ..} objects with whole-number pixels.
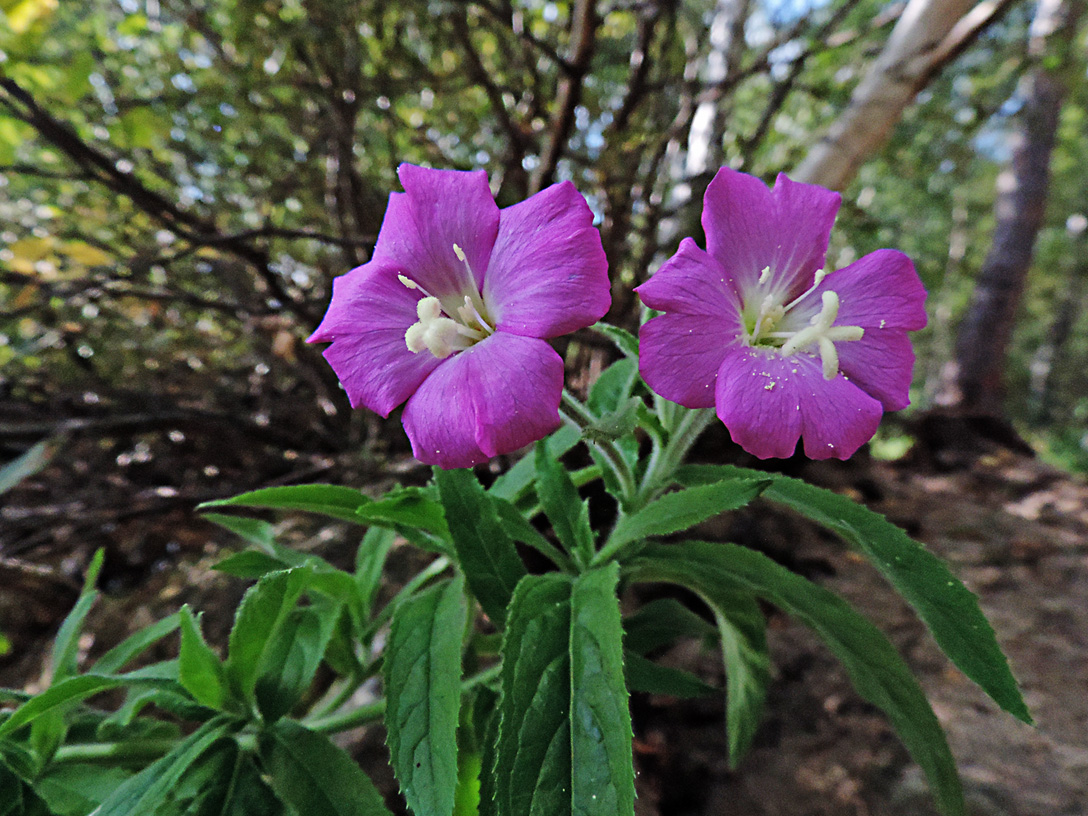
[
  {"x": 975, "y": 380},
  {"x": 929, "y": 34},
  {"x": 1073, "y": 303}
]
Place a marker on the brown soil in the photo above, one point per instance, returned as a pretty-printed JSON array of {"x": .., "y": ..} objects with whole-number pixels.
[{"x": 1013, "y": 529}]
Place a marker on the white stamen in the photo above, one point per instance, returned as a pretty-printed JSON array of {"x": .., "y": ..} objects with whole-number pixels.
[
  {"x": 766, "y": 273},
  {"x": 411, "y": 284},
  {"x": 469, "y": 314},
  {"x": 460, "y": 253},
  {"x": 818, "y": 278}
]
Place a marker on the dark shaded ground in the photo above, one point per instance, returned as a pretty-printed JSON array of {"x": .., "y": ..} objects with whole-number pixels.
[{"x": 1013, "y": 529}]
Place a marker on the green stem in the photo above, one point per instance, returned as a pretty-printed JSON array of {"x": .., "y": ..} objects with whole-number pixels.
[
  {"x": 575, "y": 413},
  {"x": 130, "y": 752},
  {"x": 659, "y": 474}
]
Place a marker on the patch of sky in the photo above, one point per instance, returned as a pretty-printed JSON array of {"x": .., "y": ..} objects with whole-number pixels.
[
  {"x": 784, "y": 12},
  {"x": 780, "y": 58},
  {"x": 183, "y": 82}
]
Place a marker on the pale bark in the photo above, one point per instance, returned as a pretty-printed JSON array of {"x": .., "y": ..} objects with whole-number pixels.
[
  {"x": 976, "y": 380},
  {"x": 927, "y": 36}
]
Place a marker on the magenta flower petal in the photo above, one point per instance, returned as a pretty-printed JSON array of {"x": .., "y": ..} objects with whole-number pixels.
[
  {"x": 692, "y": 282},
  {"x": 794, "y": 355},
  {"x": 416, "y": 324},
  {"x": 759, "y": 402},
  {"x": 440, "y": 419},
  {"x": 518, "y": 382},
  {"x": 881, "y": 366},
  {"x": 750, "y": 228},
  {"x": 880, "y": 290},
  {"x": 680, "y": 355},
  {"x": 767, "y": 401},
  {"x": 496, "y": 397},
  {"x": 552, "y": 233},
  {"x": 440, "y": 208},
  {"x": 365, "y": 324}
]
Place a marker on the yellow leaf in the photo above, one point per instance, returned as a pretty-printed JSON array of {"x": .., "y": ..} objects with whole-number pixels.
[
  {"x": 32, "y": 249},
  {"x": 85, "y": 254},
  {"x": 22, "y": 14}
]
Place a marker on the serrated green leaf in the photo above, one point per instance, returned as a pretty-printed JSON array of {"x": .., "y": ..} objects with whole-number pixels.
[
  {"x": 517, "y": 481},
  {"x": 642, "y": 674},
  {"x": 602, "y": 775},
  {"x": 250, "y": 564},
  {"x": 624, "y": 340},
  {"x": 261, "y": 616},
  {"x": 876, "y": 669},
  {"x": 255, "y": 531},
  {"x": 948, "y": 608},
  {"x": 294, "y": 653},
  {"x": 328, "y": 500},
  {"x": 564, "y": 740},
  {"x": 613, "y": 387},
  {"x": 147, "y": 790},
  {"x": 199, "y": 669},
  {"x": 313, "y": 776},
  {"x": 422, "y": 674},
  {"x": 485, "y": 552},
  {"x": 76, "y": 789},
  {"x": 562, "y": 505},
  {"x": 243, "y": 793},
  {"x": 661, "y": 622},
  {"x": 743, "y": 630},
  {"x": 535, "y": 700},
  {"x": 66, "y": 644},
  {"x": 135, "y": 644},
  {"x": 56, "y": 696},
  {"x": 678, "y": 511},
  {"x": 370, "y": 565},
  {"x": 613, "y": 425},
  {"x": 410, "y": 506}
]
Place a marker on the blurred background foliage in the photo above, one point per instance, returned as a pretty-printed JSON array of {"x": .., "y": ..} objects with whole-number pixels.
[{"x": 180, "y": 181}]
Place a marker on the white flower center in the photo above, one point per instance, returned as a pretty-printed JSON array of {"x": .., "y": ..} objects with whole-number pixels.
[
  {"x": 446, "y": 330},
  {"x": 770, "y": 327}
]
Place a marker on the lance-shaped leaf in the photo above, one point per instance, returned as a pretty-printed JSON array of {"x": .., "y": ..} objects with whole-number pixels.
[
  {"x": 329, "y": 500},
  {"x": 149, "y": 789},
  {"x": 486, "y": 553},
  {"x": 422, "y": 673},
  {"x": 947, "y": 607},
  {"x": 743, "y": 631},
  {"x": 876, "y": 669},
  {"x": 313, "y": 776},
  {"x": 565, "y": 509},
  {"x": 678, "y": 511},
  {"x": 564, "y": 743},
  {"x": 602, "y": 776},
  {"x": 199, "y": 669}
]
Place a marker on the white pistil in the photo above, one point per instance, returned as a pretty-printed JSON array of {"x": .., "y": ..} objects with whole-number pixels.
[
  {"x": 824, "y": 334},
  {"x": 443, "y": 332},
  {"x": 440, "y": 335}
]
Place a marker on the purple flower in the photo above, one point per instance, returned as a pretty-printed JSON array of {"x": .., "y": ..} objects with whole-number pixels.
[
  {"x": 453, "y": 310},
  {"x": 756, "y": 328}
]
